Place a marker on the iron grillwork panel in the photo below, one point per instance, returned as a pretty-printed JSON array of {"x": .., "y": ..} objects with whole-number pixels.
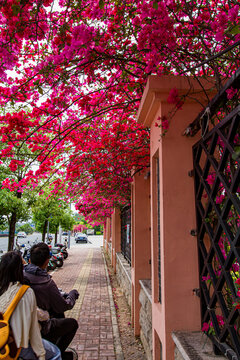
[
  {"x": 217, "y": 194},
  {"x": 126, "y": 233}
]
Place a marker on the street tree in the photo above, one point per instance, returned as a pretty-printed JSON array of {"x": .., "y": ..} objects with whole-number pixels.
[
  {"x": 27, "y": 228},
  {"x": 13, "y": 209},
  {"x": 52, "y": 211},
  {"x": 15, "y": 203},
  {"x": 63, "y": 218}
]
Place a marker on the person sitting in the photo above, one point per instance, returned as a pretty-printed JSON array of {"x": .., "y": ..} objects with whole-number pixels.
[
  {"x": 57, "y": 329},
  {"x": 24, "y": 320}
]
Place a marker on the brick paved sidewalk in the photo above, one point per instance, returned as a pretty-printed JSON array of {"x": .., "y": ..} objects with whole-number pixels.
[{"x": 97, "y": 336}]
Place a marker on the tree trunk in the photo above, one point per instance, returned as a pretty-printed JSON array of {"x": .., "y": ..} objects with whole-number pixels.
[
  {"x": 44, "y": 230},
  {"x": 56, "y": 232},
  {"x": 12, "y": 227}
]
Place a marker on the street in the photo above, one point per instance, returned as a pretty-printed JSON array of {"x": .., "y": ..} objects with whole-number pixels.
[{"x": 94, "y": 241}]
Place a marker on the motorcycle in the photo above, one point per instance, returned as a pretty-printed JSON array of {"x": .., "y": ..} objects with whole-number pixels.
[
  {"x": 52, "y": 264},
  {"x": 24, "y": 250},
  {"x": 56, "y": 255},
  {"x": 63, "y": 249},
  {"x": 58, "y": 259}
]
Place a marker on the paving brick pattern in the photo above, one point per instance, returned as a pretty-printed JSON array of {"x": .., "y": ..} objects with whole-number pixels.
[{"x": 84, "y": 270}]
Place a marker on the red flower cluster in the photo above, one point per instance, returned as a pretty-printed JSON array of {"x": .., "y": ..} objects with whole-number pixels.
[{"x": 72, "y": 76}]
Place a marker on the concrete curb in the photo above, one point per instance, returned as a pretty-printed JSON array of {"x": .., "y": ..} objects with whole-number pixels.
[{"x": 116, "y": 336}]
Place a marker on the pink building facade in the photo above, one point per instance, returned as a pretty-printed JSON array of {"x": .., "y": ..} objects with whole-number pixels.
[{"x": 164, "y": 257}]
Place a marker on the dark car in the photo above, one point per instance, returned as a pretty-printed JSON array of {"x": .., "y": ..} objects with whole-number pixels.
[
  {"x": 65, "y": 233},
  {"x": 81, "y": 238}
]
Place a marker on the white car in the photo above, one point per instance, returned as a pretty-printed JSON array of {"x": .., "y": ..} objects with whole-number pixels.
[
  {"x": 80, "y": 237},
  {"x": 21, "y": 234}
]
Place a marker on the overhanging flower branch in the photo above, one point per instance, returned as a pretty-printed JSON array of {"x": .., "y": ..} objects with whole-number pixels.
[
  {"x": 177, "y": 101},
  {"x": 87, "y": 70}
]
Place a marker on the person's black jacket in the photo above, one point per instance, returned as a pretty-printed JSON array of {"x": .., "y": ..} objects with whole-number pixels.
[{"x": 46, "y": 291}]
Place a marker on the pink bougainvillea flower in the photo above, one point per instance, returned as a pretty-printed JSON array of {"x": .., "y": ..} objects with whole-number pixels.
[
  {"x": 233, "y": 13},
  {"x": 237, "y": 281},
  {"x": 205, "y": 278},
  {"x": 69, "y": 107},
  {"x": 174, "y": 98},
  {"x": 220, "y": 320},
  {"x": 211, "y": 178},
  {"x": 165, "y": 123},
  {"x": 205, "y": 327},
  {"x": 219, "y": 199},
  {"x": 231, "y": 92},
  {"x": 235, "y": 267}
]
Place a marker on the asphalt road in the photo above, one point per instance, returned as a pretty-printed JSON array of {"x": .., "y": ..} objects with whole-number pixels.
[{"x": 93, "y": 241}]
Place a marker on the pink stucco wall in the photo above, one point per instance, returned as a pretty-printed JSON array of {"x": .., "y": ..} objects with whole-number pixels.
[
  {"x": 141, "y": 240},
  {"x": 179, "y": 308},
  {"x": 116, "y": 236},
  {"x": 107, "y": 233}
]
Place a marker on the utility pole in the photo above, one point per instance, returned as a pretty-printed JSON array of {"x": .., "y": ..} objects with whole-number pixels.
[
  {"x": 60, "y": 234},
  {"x": 69, "y": 232},
  {"x": 47, "y": 229}
]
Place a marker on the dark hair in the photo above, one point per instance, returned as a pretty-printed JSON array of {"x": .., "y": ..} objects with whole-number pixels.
[
  {"x": 39, "y": 253},
  {"x": 11, "y": 270}
]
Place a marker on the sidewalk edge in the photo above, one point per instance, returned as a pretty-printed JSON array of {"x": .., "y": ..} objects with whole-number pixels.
[{"x": 116, "y": 336}]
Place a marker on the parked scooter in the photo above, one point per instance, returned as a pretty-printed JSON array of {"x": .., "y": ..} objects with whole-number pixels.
[
  {"x": 56, "y": 255},
  {"x": 25, "y": 250},
  {"x": 59, "y": 250},
  {"x": 63, "y": 249},
  {"x": 52, "y": 264},
  {"x": 58, "y": 259}
]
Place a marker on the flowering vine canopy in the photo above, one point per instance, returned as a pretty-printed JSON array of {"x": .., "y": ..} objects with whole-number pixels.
[{"x": 72, "y": 75}]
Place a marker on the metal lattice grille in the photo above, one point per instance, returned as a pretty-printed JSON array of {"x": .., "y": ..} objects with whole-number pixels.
[
  {"x": 217, "y": 191},
  {"x": 126, "y": 233}
]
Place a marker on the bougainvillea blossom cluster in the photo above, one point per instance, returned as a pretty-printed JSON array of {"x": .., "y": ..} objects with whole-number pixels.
[{"x": 72, "y": 75}]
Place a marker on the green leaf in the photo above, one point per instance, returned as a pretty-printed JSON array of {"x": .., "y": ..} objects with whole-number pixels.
[
  {"x": 211, "y": 331},
  {"x": 155, "y": 5},
  {"x": 236, "y": 153},
  {"x": 134, "y": 47},
  {"x": 131, "y": 88},
  {"x": 235, "y": 30},
  {"x": 101, "y": 4},
  {"x": 15, "y": 9},
  {"x": 40, "y": 90}
]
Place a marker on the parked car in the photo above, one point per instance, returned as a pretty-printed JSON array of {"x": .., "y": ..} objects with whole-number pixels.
[
  {"x": 21, "y": 234},
  {"x": 65, "y": 233},
  {"x": 4, "y": 233},
  {"x": 81, "y": 238}
]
